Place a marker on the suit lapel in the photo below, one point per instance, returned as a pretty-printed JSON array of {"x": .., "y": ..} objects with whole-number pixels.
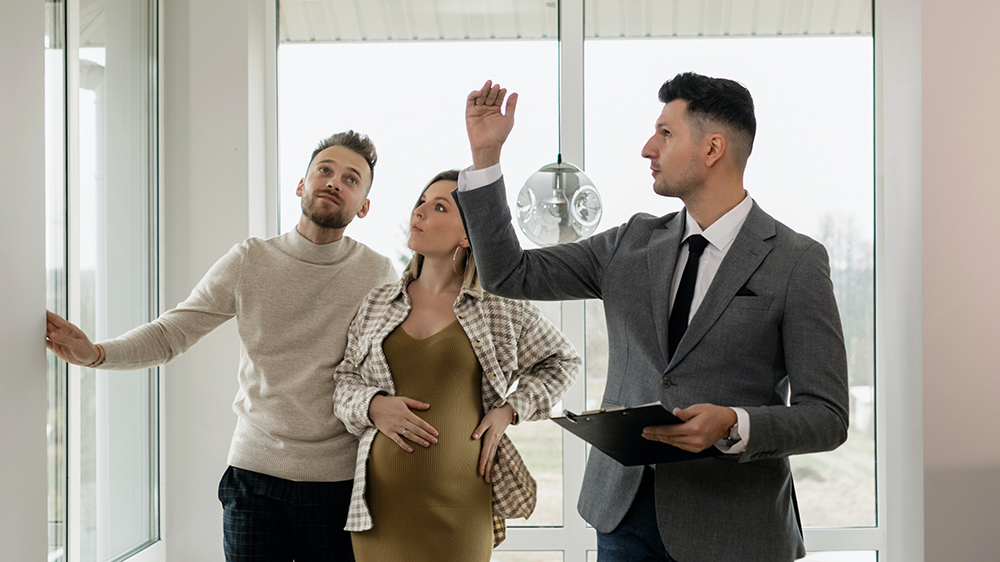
[
  {"x": 661, "y": 255},
  {"x": 744, "y": 257}
]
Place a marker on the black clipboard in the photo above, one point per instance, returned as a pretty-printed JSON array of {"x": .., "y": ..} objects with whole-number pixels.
[{"x": 617, "y": 432}]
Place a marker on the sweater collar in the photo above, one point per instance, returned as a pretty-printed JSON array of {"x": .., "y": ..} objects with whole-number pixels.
[{"x": 300, "y": 248}]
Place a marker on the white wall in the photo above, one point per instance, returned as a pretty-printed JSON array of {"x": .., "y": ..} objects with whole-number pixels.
[
  {"x": 207, "y": 169},
  {"x": 961, "y": 120},
  {"x": 22, "y": 283}
]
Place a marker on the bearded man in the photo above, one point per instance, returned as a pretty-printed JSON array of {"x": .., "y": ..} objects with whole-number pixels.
[{"x": 287, "y": 490}]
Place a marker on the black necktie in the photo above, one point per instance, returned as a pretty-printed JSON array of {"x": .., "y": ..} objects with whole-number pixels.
[{"x": 678, "y": 322}]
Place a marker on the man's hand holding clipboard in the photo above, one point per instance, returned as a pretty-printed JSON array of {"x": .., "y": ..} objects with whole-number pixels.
[
  {"x": 621, "y": 433},
  {"x": 700, "y": 427}
]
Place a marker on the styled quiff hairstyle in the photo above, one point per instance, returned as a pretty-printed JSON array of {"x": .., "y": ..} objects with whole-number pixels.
[
  {"x": 470, "y": 279},
  {"x": 356, "y": 142},
  {"x": 719, "y": 102}
]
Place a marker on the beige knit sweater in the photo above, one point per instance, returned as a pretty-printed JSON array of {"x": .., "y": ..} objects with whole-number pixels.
[{"x": 293, "y": 301}]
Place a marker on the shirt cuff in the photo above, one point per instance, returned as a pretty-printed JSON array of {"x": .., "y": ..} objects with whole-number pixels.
[
  {"x": 743, "y": 419},
  {"x": 469, "y": 179}
]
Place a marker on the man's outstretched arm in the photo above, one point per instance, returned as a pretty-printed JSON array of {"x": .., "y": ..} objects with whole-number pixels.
[
  {"x": 566, "y": 271},
  {"x": 212, "y": 302}
]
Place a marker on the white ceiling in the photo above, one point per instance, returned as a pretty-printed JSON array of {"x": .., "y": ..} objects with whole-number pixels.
[
  {"x": 325, "y": 21},
  {"x": 305, "y": 21}
]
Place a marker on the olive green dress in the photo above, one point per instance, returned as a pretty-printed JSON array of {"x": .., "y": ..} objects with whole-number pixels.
[{"x": 431, "y": 504}]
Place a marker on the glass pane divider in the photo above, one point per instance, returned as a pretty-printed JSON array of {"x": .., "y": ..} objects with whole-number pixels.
[
  {"x": 73, "y": 305},
  {"x": 272, "y": 184},
  {"x": 575, "y": 540},
  {"x": 571, "y": 82},
  {"x": 844, "y": 538},
  {"x": 575, "y": 536},
  {"x": 74, "y": 465}
]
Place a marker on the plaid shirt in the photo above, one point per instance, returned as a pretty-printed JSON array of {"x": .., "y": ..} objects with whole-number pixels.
[{"x": 512, "y": 341}]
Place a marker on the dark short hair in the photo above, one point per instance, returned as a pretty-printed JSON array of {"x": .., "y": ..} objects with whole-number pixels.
[
  {"x": 356, "y": 142},
  {"x": 719, "y": 100}
]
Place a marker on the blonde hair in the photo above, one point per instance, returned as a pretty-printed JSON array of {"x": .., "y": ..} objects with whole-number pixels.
[{"x": 470, "y": 278}]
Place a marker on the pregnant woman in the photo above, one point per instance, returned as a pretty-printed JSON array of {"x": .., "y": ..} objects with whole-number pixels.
[{"x": 426, "y": 386}]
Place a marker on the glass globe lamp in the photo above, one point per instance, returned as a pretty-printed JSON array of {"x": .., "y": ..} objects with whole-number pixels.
[{"x": 558, "y": 204}]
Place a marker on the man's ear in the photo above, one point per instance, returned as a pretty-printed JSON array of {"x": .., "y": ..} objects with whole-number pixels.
[
  {"x": 301, "y": 187},
  {"x": 364, "y": 209},
  {"x": 715, "y": 147}
]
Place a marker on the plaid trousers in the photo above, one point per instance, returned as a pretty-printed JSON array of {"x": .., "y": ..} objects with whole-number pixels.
[{"x": 270, "y": 519}]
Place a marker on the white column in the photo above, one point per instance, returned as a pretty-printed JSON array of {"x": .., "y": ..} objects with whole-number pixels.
[
  {"x": 899, "y": 289},
  {"x": 211, "y": 128},
  {"x": 578, "y": 537},
  {"x": 22, "y": 282}
]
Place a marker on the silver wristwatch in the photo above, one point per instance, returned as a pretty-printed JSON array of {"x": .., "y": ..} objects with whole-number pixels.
[{"x": 734, "y": 433}]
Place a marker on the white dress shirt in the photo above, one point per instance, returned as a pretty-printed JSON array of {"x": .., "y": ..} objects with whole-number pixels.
[{"x": 720, "y": 236}]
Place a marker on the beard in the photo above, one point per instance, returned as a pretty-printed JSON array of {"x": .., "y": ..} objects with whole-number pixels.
[
  {"x": 680, "y": 187},
  {"x": 330, "y": 219}
]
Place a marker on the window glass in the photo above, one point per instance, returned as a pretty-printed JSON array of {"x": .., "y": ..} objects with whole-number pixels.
[
  {"x": 811, "y": 168},
  {"x": 405, "y": 87},
  {"x": 409, "y": 98},
  {"x": 398, "y": 71},
  {"x": 540, "y": 444},
  {"x": 116, "y": 285}
]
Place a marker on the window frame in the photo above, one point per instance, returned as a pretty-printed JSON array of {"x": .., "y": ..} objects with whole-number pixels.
[
  {"x": 898, "y": 533},
  {"x": 154, "y": 549}
]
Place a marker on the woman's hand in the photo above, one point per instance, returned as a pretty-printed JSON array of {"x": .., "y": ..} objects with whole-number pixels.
[
  {"x": 68, "y": 342},
  {"x": 392, "y": 416},
  {"x": 491, "y": 429}
]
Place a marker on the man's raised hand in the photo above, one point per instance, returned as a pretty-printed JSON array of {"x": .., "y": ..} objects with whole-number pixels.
[{"x": 487, "y": 126}]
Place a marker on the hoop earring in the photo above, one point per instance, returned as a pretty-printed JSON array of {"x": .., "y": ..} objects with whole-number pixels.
[{"x": 454, "y": 261}]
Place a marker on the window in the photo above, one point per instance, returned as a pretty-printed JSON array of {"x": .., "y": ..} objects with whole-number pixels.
[
  {"x": 101, "y": 160},
  {"x": 811, "y": 168},
  {"x": 408, "y": 96},
  {"x": 592, "y": 97}
]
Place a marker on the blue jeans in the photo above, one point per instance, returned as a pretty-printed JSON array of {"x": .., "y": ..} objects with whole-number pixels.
[
  {"x": 637, "y": 538},
  {"x": 270, "y": 519}
]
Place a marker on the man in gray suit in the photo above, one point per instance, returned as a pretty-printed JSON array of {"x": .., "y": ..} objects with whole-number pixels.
[{"x": 719, "y": 311}]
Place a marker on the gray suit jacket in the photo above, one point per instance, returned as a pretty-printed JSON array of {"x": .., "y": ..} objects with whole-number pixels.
[{"x": 767, "y": 338}]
